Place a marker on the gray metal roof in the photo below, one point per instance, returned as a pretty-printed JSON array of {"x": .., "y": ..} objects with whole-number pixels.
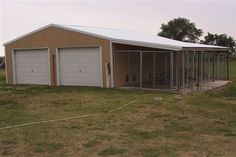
[{"x": 129, "y": 37}]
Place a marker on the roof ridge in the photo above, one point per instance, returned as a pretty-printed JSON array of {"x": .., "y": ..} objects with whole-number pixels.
[{"x": 121, "y": 29}]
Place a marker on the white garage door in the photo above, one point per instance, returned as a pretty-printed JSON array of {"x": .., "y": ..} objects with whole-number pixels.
[
  {"x": 31, "y": 67},
  {"x": 79, "y": 67}
]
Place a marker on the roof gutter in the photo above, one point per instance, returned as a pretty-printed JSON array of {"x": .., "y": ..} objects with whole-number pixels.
[{"x": 206, "y": 49}]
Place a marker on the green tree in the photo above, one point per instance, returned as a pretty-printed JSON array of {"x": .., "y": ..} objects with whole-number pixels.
[
  {"x": 181, "y": 29},
  {"x": 220, "y": 40}
]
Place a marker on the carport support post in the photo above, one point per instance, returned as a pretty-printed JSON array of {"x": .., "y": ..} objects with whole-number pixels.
[
  {"x": 154, "y": 69},
  {"x": 218, "y": 66},
  {"x": 224, "y": 65},
  {"x": 198, "y": 67},
  {"x": 166, "y": 68},
  {"x": 213, "y": 67},
  {"x": 187, "y": 64},
  {"x": 178, "y": 69},
  {"x": 141, "y": 69},
  {"x": 171, "y": 69},
  {"x": 209, "y": 65},
  {"x": 227, "y": 65},
  {"x": 193, "y": 67},
  {"x": 203, "y": 66},
  {"x": 183, "y": 68}
]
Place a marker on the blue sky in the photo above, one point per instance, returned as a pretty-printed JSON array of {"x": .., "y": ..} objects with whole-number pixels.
[{"x": 21, "y": 16}]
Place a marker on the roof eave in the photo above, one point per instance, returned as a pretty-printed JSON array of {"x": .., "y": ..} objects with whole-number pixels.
[
  {"x": 27, "y": 34},
  {"x": 145, "y": 44},
  {"x": 206, "y": 49}
]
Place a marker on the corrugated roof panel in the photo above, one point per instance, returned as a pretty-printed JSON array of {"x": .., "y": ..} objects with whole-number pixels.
[
  {"x": 128, "y": 37},
  {"x": 135, "y": 36}
]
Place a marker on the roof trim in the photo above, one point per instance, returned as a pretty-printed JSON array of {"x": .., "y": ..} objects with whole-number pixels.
[
  {"x": 27, "y": 34},
  {"x": 206, "y": 49},
  {"x": 56, "y": 26},
  {"x": 144, "y": 44}
]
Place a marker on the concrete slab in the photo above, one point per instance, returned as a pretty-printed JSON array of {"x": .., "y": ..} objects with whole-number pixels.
[{"x": 206, "y": 86}]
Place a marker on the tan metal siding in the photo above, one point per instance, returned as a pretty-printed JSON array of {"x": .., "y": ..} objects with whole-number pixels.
[
  {"x": 126, "y": 65},
  {"x": 54, "y": 38}
]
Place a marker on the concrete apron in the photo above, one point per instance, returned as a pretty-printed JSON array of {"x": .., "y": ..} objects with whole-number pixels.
[{"x": 205, "y": 86}]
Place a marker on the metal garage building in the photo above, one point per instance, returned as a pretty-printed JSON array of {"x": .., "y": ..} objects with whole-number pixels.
[{"x": 71, "y": 55}]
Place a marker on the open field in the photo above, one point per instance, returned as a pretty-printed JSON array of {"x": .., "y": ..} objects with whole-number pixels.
[
  {"x": 2, "y": 78},
  {"x": 188, "y": 125}
]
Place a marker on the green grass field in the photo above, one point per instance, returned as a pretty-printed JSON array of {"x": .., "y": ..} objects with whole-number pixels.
[
  {"x": 2, "y": 79},
  {"x": 201, "y": 125}
]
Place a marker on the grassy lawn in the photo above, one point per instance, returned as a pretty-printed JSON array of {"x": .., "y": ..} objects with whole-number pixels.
[
  {"x": 188, "y": 125},
  {"x": 2, "y": 79}
]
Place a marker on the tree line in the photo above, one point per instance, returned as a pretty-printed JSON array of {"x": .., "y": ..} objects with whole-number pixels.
[{"x": 183, "y": 29}]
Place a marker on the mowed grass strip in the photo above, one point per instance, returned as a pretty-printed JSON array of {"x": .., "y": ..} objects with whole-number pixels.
[{"x": 193, "y": 125}]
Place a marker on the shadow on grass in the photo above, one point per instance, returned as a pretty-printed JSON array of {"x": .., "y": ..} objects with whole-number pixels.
[
  {"x": 151, "y": 152},
  {"x": 230, "y": 91},
  {"x": 112, "y": 151},
  {"x": 47, "y": 147}
]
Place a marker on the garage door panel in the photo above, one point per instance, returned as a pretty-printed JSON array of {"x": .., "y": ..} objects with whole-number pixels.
[
  {"x": 82, "y": 59},
  {"x": 38, "y": 61},
  {"x": 31, "y": 66},
  {"x": 32, "y": 75},
  {"x": 35, "y": 58},
  {"x": 82, "y": 64},
  {"x": 69, "y": 55},
  {"x": 83, "y": 52},
  {"x": 82, "y": 70},
  {"x": 28, "y": 68},
  {"x": 26, "y": 80},
  {"x": 78, "y": 77},
  {"x": 80, "y": 81},
  {"x": 79, "y": 67}
]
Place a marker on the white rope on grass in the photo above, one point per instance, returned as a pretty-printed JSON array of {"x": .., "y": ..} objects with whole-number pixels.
[
  {"x": 64, "y": 119},
  {"x": 122, "y": 106},
  {"x": 47, "y": 121}
]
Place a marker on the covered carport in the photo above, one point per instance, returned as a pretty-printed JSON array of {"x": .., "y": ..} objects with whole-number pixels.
[
  {"x": 203, "y": 65},
  {"x": 163, "y": 69},
  {"x": 144, "y": 67}
]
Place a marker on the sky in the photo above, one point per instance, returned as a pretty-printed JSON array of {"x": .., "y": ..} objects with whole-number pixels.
[{"x": 18, "y": 17}]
